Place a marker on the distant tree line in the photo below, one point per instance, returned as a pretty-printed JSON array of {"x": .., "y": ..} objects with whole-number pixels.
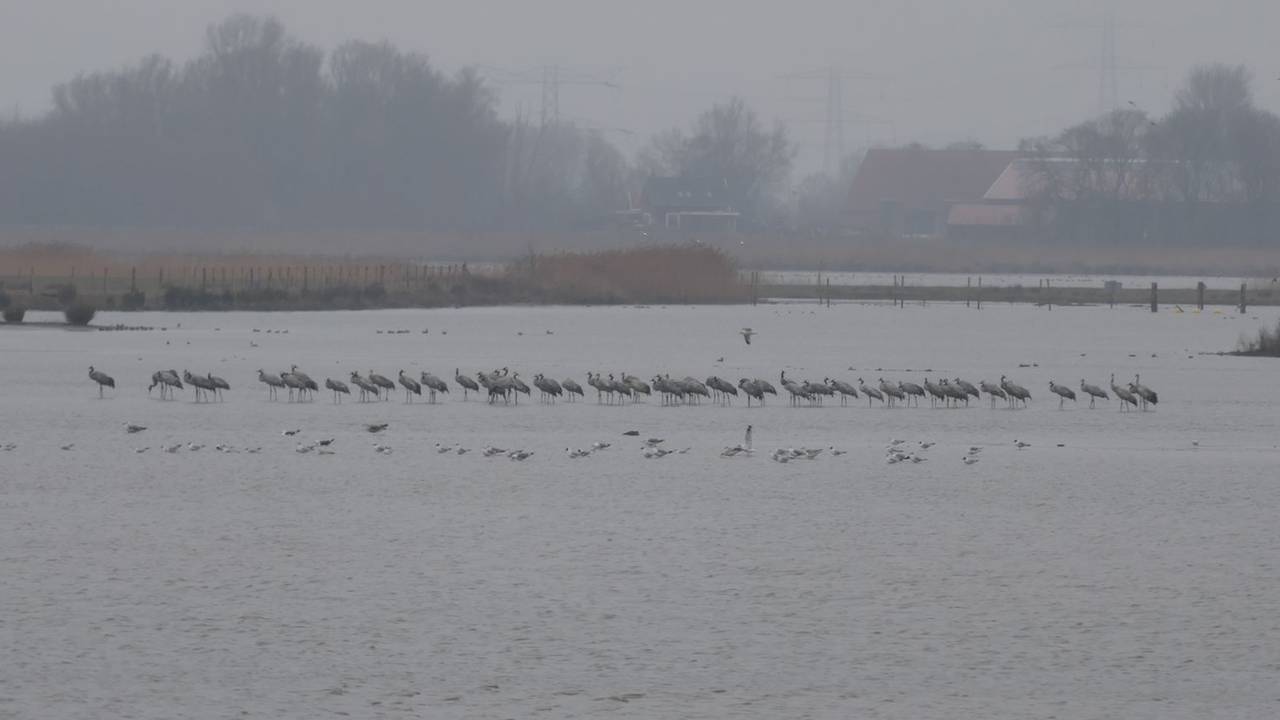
[
  {"x": 263, "y": 131},
  {"x": 1208, "y": 172}
]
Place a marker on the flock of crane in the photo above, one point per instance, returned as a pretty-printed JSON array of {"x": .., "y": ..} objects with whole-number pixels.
[{"x": 506, "y": 386}]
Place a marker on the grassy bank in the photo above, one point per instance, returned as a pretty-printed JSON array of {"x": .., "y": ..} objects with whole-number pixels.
[
  {"x": 48, "y": 277},
  {"x": 793, "y": 251},
  {"x": 1185, "y": 298}
]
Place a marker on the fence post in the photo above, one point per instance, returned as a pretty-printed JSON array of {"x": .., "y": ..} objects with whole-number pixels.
[
  {"x": 1155, "y": 299},
  {"x": 1243, "y": 304},
  {"x": 1200, "y": 295},
  {"x": 828, "y": 292},
  {"x": 968, "y": 294},
  {"x": 979, "y": 292}
]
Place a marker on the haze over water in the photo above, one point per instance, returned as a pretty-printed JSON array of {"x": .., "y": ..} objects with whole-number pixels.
[{"x": 1129, "y": 572}]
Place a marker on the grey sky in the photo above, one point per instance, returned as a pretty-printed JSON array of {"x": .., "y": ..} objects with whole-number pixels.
[{"x": 978, "y": 69}]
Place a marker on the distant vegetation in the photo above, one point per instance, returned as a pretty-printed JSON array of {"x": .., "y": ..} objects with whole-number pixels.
[
  {"x": 262, "y": 132},
  {"x": 1206, "y": 173},
  {"x": 666, "y": 274},
  {"x": 1267, "y": 343},
  {"x": 79, "y": 313},
  {"x": 663, "y": 274}
]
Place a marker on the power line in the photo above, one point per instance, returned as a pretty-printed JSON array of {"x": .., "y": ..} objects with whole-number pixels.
[
  {"x": 833, "y": 147},
  {"x": 550, "y": 77},
  {"x": 1107, "y": 63}
]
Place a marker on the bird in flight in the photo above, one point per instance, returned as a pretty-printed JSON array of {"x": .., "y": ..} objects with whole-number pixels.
[{"x": 746, "y": 334}]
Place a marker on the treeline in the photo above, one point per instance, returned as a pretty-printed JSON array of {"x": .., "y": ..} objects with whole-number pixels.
[
  {"x": 264, "y": 131},
  {"x": 1206, "y": 173}
]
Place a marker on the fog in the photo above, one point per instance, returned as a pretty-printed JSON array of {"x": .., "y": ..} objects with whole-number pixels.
[{"x": 983, "y": 70}]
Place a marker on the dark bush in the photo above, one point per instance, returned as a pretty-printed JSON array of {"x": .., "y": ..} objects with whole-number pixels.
[
  {"x": 1267, "y": 343},
  {"x": 67, "y": 294},
  {"x": 133, "y": 300},
  {"x": 14, "y": 314},
  {"x": 181, "y": 298},
  {"x": 80, "y": 313},
  {"x": 4, "y": 299},
  {"x": 375, "y": 291},
  {"x": 261, "y": 296}
]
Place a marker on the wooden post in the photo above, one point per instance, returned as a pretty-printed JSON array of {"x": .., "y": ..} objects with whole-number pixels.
[
  {"x": 828, "y": 292},
  {"x": 1243, "y": 304},
  {"x": 968, "y": 295},
  {"x": 979, "y": 292},
  {"x": 1200, "y": 295},
  {"x": 1048, "y": 297},
  {"x": 1155, "y": 299}
]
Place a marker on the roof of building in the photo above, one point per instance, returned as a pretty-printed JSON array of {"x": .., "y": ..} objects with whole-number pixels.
[
  {"x": 685, "y": 193},
  {"x": 923, "y": 179}
]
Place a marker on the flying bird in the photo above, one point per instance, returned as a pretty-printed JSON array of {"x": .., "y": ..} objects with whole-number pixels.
[{"x": 746, "y": 334}]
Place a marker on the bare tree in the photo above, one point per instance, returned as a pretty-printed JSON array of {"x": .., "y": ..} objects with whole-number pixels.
[{"x": 728, "y": 142}]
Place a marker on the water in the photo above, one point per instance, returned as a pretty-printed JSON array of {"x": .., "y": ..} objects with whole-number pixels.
[{"x": 1130, "y": 572}]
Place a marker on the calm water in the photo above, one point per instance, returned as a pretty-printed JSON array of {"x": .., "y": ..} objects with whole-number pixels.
[{"x": 1124, "y": 565}]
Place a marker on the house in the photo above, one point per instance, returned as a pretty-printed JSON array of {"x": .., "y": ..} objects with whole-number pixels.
[
  {"x": 691, "y": 204},
  {"x": 909, "y": 192}
]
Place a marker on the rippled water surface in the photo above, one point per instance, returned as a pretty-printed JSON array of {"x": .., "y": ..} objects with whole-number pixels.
[{"x": 1124, "y": 565}]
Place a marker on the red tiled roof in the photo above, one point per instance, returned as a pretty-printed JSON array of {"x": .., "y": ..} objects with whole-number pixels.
[{"x": 922, "y": 179}]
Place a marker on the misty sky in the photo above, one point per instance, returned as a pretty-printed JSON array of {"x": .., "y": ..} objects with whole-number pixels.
[{"x": 989, "y": 70}]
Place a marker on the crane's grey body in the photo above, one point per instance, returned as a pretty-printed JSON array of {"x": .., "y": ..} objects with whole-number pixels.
[
  {"x": 1093, "y": 391},
  {"x": 411, "y": 386},
  {"x": 1016, "y": 392},
  {"x": 104, "y": 380},
  {"x": 870, "y": 392},
  {"x": 994, "y": 391},
  {"x": 466, "y": 383},
  {"x": 384, "y": 384},
  {"x": 1125, "y": 395},
  {"x": 338, "y": 387},
  {"x": 1063, "y": 392}
]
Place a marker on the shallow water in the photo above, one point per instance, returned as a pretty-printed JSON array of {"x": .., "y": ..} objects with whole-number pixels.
[{"x": 1123, "y": 565}]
